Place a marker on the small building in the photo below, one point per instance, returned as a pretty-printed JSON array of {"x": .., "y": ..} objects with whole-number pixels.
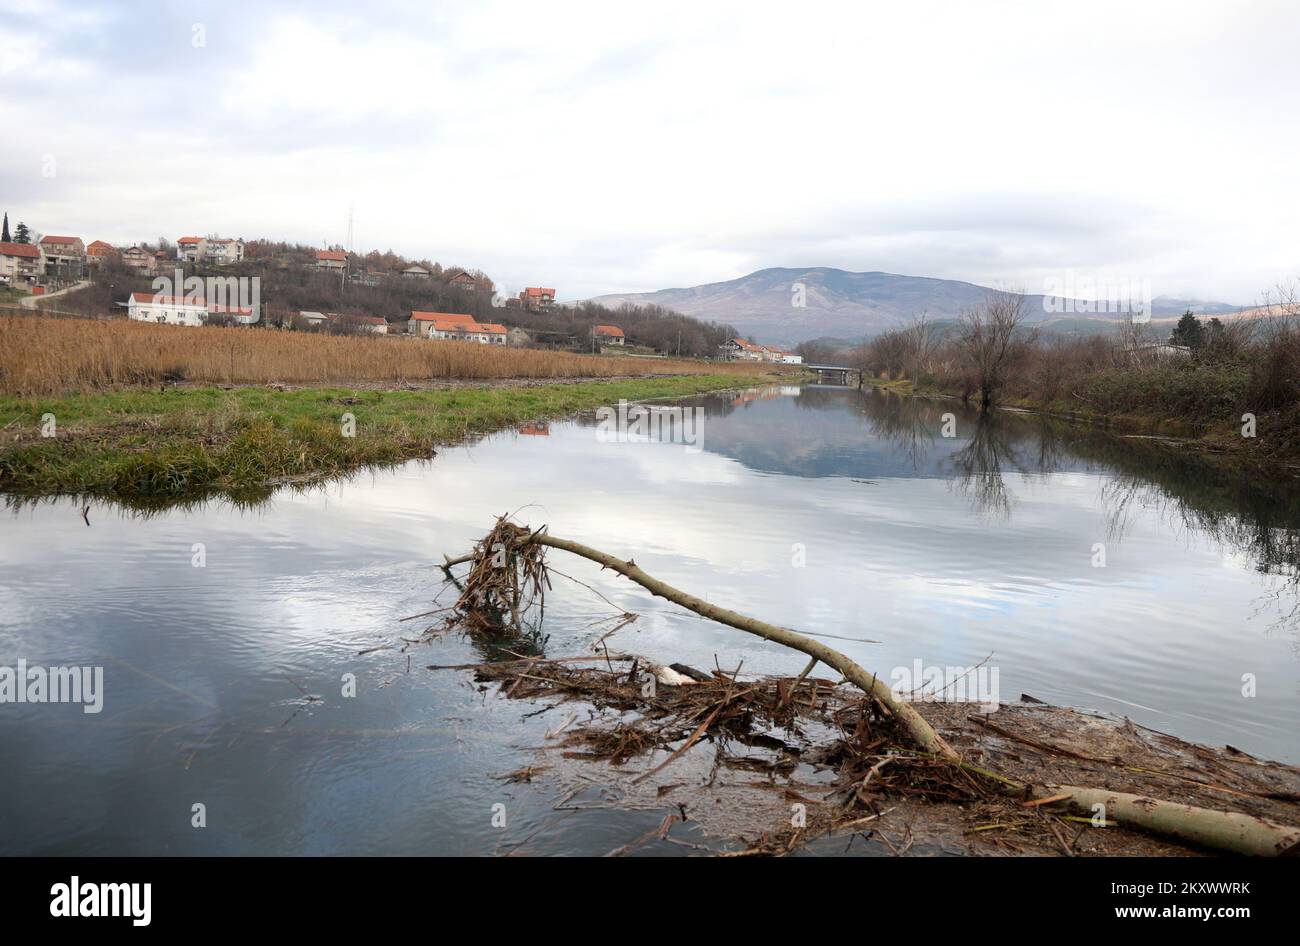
[
  {"x": 537, "y": 298},
  {"x": 416, "y": 272},
  {"x": 99, "y": 251},
  {"x": 311, "y": 319},
  {"x": 456, "y": 326},
  {"x": 331, "y": 260},
  {"x": 180, "y": 310},
  {"x": 607, "y": 334},
  {"x": 20, "y": 264},
  {"x": 139, "y": 259},
  {"x": 461, "y": 279},
  {"x": 62, "y": 256},
  {"x": 518, "y": 338}
]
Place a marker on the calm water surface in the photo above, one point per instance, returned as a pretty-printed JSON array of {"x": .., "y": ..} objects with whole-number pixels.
[{"x": 831, "y": 511}]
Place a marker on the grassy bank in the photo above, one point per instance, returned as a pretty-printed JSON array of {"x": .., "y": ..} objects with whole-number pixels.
[
  {"x": 1200, "y": 410},
  {"x": 1233, "y": 388},
  {"x": 161, "y": 446}
]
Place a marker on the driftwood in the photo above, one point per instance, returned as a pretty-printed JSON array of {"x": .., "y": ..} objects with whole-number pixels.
[{"x": 509, "y": 552}]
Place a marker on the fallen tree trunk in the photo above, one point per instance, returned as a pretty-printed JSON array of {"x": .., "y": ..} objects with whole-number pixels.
[
  {"x": 1222, "y": 830},
  {"x": 920, "y": 731},
  {"x": 1233, "y": 832}
]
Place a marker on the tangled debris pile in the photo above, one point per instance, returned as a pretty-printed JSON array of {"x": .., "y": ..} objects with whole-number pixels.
[
  {"x": 773, "y": 764},
  {"x": 807, "y": 757}
]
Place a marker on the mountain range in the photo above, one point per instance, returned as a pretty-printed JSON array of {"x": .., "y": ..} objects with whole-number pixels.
[{"x": 837, "y": 303}]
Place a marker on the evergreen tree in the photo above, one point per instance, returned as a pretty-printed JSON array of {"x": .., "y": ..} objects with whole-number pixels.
[
  {"x": 4, "y": 235},
  {"x": 22, "y": 234},
  {"x": 1188, "y": 332}
]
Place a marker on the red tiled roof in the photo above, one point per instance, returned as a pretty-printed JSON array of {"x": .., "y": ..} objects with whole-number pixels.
[
  {"x": 457, "y": 322},
  {"x": 532, "y": 292},
  {"x": 337, "y": 256},
  {"x": 184, "y": 241},
  {"x": 613, "y": 330},
  {"x": 20, "y": 249},
  {"x": 100, "y": 248},
  {"x": 59, "y": 239},
  {"x": 157, "y": 299}
]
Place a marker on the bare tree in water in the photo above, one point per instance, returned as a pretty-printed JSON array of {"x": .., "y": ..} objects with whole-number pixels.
[{"x": 991, "y": 340}]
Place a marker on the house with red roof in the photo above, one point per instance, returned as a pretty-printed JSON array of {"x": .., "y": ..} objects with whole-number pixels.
[
  {"x": 455, "y": 326},
  {"x": 183, "y": 310},
  {"x": 62, "y": 256},
  {"x": 331, "y": 260},
  {"x": 608, "y": 334},
  {"x": 99, "y": 251},
  {"x": 189, "y": 249},
  {"x": 20, "y": 264},
  {"x": 537, "y": 298},
  {"x": 738, "y": 349}
]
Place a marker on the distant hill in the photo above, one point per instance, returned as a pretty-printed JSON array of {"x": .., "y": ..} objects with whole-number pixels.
[{"x": 842, "y": 304}]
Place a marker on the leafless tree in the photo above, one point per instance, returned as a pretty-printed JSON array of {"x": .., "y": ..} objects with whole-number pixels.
[
  {"x": 992, "y": 338},
  {"x": 921, "y": 342}
]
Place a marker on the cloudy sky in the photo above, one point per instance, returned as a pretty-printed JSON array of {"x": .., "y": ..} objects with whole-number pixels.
[{"x": 611, "y": 147}]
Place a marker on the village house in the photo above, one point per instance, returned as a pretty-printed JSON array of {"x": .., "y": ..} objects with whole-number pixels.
[
  {"x": 462, "y": 279},
  {"x": 139, "y": 259},
  {"x": 331, "y": 260},
  {"x": 178, "y": 310},
  {"x": 223, "y": 250},
  {"x": 62, "y": 256},
  {"x": 416, "y": 272},
  {"x": 737, "y": 349},
  {"x": 189, "y": 249},
  {"x": 456, "y": 326},
  {"x": 308, "y": 319},
  {"x": 20, "y": 264},
  {"x": 608, "y": 334},
  {"x": 537, "y": 299},
  {"x": 99, "y": 251}
]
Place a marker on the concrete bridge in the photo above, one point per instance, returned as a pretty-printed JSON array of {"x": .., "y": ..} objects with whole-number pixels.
[{"x": 836, "y": 374}]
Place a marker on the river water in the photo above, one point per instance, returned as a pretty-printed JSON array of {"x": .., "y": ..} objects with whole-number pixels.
[{"x": 1087, "y": 570}]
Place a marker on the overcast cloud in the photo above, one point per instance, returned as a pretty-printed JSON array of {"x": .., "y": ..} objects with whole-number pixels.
[{"x": 613, "y": 147}]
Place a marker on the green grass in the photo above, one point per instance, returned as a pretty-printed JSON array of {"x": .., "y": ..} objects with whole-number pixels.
[{"x": 150, "y": 446}]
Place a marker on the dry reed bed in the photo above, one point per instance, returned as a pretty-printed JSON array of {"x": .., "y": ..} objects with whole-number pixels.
[{"x": 40, "y": 356}]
